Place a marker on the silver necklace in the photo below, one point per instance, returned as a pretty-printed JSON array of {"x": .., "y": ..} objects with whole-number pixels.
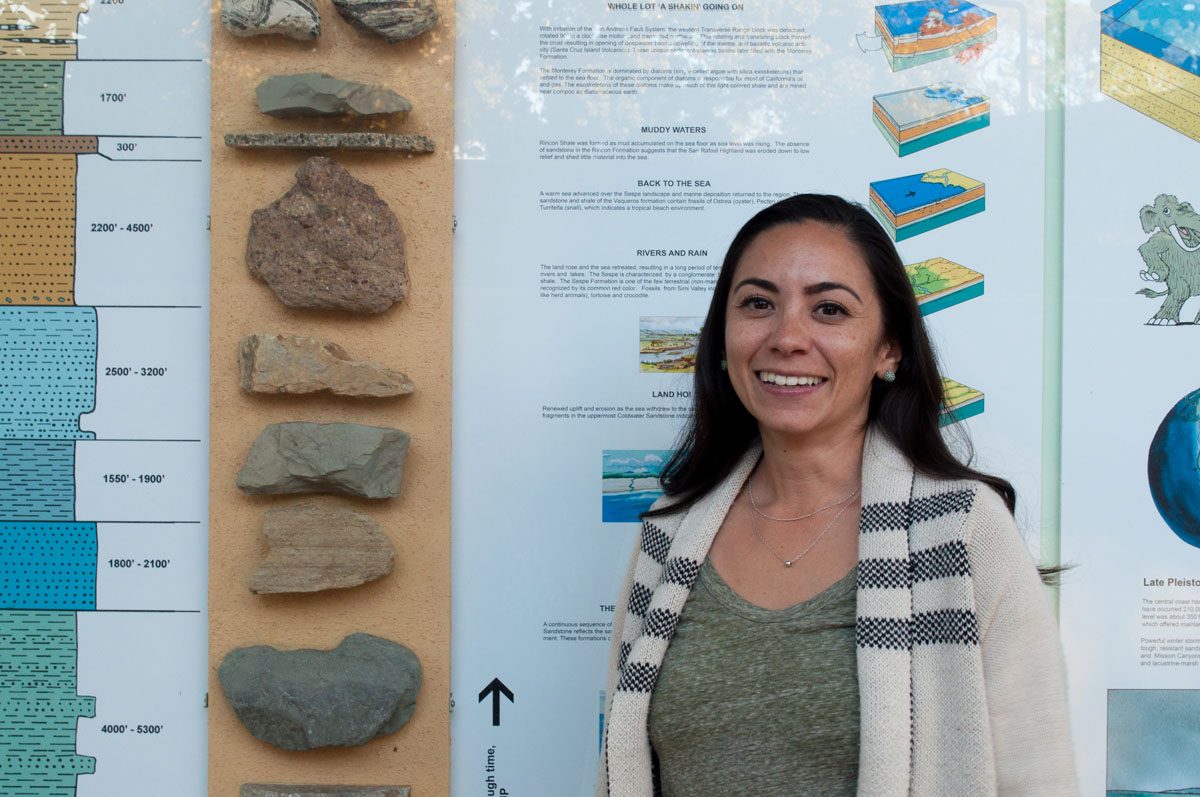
[
  {"x": 811, "y": 545},
  {"x": 754, "y": 505}
]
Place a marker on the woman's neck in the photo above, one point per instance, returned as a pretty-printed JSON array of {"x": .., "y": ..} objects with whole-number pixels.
[{"x": 796, "y": 474}]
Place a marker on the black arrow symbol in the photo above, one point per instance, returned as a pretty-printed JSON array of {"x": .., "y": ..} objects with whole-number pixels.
[{"x": 495, "y": 689}]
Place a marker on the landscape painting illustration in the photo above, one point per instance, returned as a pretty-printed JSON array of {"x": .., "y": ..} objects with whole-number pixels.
[
  {"x": 1172, "y": 257},
  {"x": 1174, "y": 469},
  {"x": 667, "y": 344},
  {"x": 1153, "y": 736},
  {"x": 631, "y": 483}
]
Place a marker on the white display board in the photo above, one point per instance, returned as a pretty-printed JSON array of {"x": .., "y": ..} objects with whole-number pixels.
[
  {"x": 1130, "y": 610},
  {"x": 606, "y": 154},
  {"x": 104, "y": 194}
]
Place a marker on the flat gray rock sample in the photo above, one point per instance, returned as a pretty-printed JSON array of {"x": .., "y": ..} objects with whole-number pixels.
[
  {"x": 394, "y": 20},
  {"x": 373, "y": 142},
  {"x": 329, "y": 243},
  {"x": 295, "y": 19},
  {"x": 314, "y": 547},
  {"x": 364, "y": 688},
  {"x": 290, "y": 364},
  {"x": 276, "y": 790},
  {"x": 340, "y": 458},
  {"x": 319, "y": 94}
]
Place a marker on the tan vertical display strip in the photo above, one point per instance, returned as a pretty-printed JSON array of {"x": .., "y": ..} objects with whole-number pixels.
[{"x": 412, "y": 605}]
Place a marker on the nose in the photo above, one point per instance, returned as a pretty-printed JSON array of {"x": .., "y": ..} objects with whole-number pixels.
[{"x": 791, "y": 333}]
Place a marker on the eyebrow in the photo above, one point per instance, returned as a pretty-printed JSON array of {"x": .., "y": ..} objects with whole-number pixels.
[{"x": 811, "y": 290}]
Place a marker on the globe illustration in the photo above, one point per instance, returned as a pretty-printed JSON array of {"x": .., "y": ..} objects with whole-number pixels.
[{"x": 1174, "y": 469}]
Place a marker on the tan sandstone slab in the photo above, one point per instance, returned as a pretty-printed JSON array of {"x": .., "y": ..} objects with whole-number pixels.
[
  {"x": 291, "y": 364},
  {"x": 314, "y": 548}
]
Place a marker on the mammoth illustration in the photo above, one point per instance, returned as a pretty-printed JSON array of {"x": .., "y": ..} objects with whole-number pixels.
[{"x": 1172, "y": 255}]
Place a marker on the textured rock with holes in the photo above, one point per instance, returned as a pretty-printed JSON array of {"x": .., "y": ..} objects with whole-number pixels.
[{"x": 329, "y": 243}]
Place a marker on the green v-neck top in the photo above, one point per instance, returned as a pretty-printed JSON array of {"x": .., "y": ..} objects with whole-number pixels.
[{"x": 758, "y": 701}]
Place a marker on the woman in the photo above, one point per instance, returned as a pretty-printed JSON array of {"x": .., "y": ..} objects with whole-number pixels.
[{"x": 826, "y": 601}]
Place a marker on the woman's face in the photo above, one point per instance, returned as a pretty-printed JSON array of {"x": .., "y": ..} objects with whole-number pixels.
[{"x": 804, "y": 332}]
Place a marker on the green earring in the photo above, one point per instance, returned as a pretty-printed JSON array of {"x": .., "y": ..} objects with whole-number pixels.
[{"x": 724, "y": 364}]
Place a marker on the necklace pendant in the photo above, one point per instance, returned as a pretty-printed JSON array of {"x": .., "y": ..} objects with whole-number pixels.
[{"x": 787, "y": 564}]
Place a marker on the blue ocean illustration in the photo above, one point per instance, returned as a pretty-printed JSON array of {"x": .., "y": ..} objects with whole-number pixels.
[
  {"x": 903, "y": 194},
  {"x": 630, "y": 483}
]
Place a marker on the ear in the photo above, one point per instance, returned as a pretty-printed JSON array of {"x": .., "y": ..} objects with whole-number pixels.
[
  {"x": 1149, "y": 221},
  {"x": 889, "y": 356}
]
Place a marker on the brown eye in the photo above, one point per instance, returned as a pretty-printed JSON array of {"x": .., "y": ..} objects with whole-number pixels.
[
  {"x": 830, "y": 309},
  {"x": 755, "y": 302}
]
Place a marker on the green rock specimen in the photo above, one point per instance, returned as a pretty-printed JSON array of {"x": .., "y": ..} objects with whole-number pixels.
[
  {"x": 364, "y": 688},
  {"x": 341, "y": 458},
  {"x": 319, "y": 94}
]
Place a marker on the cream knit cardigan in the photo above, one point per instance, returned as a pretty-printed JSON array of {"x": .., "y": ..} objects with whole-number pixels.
[{"x": 960, "y": 668}]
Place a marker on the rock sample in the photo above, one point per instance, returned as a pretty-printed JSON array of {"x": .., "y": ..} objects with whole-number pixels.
[
  {"x": 313, "y": 547},
  {"x": 384, "y": 142},
  {"x": 292, "y": 364},
  {"x": 329, "y": 242},
  {"x": 341, "y": 458},
  {"x": 319, "y": 94},
  {"x": 296, "y": 19},
  {"x": 276, "y": 790},
  {"x": 364, "y": 688},
  {"x": 394, "y": 20}
]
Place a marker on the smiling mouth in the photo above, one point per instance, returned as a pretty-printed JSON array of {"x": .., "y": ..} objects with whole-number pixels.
[{"x": 789, "y": 381}]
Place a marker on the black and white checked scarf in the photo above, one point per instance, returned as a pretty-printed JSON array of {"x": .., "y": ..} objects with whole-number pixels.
[{"x": 923, "y": 704}]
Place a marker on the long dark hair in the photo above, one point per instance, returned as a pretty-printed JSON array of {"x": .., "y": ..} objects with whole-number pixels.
[{"x": 906, "y": 410}]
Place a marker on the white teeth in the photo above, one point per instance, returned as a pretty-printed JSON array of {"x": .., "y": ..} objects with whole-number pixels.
[{"x": 789, "y": 381}]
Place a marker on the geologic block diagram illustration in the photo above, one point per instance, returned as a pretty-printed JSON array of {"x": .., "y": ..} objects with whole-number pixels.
[
  {"x": 1150, "y": 60},
  {"x": 939, "y": 283},
  {"x": 919, "y": 32},
  {"x": 917, "y": 203},
  {"x": 55, "y": 497},
  {"x": 915, "y": 119},
  {"x": 959, "y": 402}
]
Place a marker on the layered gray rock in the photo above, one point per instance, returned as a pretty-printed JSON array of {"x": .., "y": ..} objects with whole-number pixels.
[
  {"x": 329, "y": 243},
  {"x": 341, "y": 458},
  {"x": 295, "y": 19},
  {"x": 292, "y": 364},
  {"x": 374, "y": 142},
  {"x": 364, "y": 688},
  {"x": 319, "y": 94},
  {"x": 394, "y": 20},
  {"x": 276, "y": 790},
  {"x": 313, "y": 548}
]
